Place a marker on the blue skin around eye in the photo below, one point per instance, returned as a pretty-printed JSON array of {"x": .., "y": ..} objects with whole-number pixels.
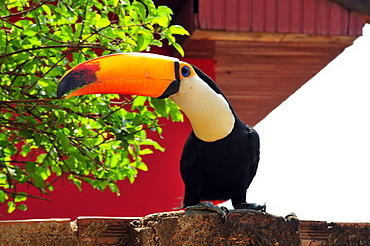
[{"x": 185, "y": 71}]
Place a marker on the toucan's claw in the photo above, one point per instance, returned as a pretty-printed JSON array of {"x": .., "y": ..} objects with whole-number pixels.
[
  {"x": 224, "y": 209},
  {"x": 211, "y": 207},
  {"x": 252, "y": 206}
]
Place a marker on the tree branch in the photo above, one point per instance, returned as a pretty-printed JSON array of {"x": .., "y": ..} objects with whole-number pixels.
[
  {"x": 77, "y": 46},
  {"x": 25, "y": 11},
  {"x": 28, "y": 101},
  {"x": 13, "y": 194}
]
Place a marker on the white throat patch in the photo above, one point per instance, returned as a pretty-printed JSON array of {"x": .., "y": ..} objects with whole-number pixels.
[{"x": 209, "y": 113}]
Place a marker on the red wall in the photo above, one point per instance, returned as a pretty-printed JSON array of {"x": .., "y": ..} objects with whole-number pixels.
[
  {"x": 321, "y": 17},
  {"x": 157, "y": 190}
]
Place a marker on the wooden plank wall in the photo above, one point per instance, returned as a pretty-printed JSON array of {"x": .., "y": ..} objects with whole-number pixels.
[
  {"x": 256, "y": 77},
  {"x": 321, "y": 17}
]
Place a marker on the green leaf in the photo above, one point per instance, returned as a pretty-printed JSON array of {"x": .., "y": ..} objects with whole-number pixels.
[
  {"x": 34, "y": 40},
  {"x": 28, "y": 134},
  {"x": 37, "y": 180},
  {"x": 3, "y": 179},
  {"x": 20, "y": 197},
  {"x": 145, "y": 151},
  {"x": 139, "y": 101},
  {"x": 3, "y": 196},
  {"x": 150, "y": 6},
  {"x": 131, "y": 177},
  {"x": 29, "y": 31},
  {"x": 140, "y": 165},
  {"x": 113, "y": 161},
  {"x": 37, "y": 139},
  {"x": 4, "y": 143},
  {"x": 25, "y": 150},
  {"x": 179, "y": 49},
  {"x": 11, "y": 207},
  {"x": 140, "y": 9},
  {"x": 164, "y": 10},
  {"x": 152, "y": 143},
  {"x": 30, "y": 166},
  {"x": 160, "y": 106},
  {"x": 40, "y": 158},
  {"x": 114, "y": 188},
  {"x": 22, "y": 207},
  {"x": 63, "y": 140},
  {"x": 44, "y": 172},
  {"x": 23, "y": 23},
  {"x": 144, "y": 40},
  {"x": 103, "y": 22},
  {"x": 174, "y": 111},
  {"x": 176, "y": 29},
  {"x": 46, "y": 8},
  {"x": 50, "y": 187},
  {"x": 161, "y": 20},
  {"x": 9, "y": 151},
  {"x": 57, "y": 170}
]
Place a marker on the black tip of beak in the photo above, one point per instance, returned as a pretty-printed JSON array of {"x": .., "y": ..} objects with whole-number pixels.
[{"x": 74, "y": 80}]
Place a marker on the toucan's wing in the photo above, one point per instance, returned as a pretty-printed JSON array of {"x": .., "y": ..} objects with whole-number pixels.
[
  {"x": 190, "y": 152},
  {"x": 254, "y": 143}
]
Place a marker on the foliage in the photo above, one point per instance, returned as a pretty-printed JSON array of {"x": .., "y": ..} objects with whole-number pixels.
[{"x": 93, "y": 139}]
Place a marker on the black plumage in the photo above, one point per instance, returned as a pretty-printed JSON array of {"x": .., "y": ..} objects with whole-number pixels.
[{"x": 222, "y": 169}]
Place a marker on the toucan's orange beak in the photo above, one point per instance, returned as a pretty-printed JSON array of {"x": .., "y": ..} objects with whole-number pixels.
[{"x": 127, "y": 73}]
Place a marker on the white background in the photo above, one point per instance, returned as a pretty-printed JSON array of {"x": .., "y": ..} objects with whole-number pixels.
[{"x": 315, "y": 147}]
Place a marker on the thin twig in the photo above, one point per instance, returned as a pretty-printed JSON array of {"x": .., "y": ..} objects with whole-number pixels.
[
  {"x": 79, "y": 46},
  {"x": 25, "y": 11},
  {"x": 29, "y": 101}
]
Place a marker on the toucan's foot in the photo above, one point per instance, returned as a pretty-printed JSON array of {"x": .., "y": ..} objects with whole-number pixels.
[
  {"x": 209, "y": 206},
  {"x": 253, "y": 206}
]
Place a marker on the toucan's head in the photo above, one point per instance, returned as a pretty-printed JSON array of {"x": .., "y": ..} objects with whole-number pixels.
[{"x": 127, "y": 73}]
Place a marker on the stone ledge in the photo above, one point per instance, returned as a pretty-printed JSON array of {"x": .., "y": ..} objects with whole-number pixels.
[
  {"x": 38, "y": 232},
  {"x": 105, "y": 230},
  {"x": 321, "y": 233},
  {"x": 243, "y": 227}
]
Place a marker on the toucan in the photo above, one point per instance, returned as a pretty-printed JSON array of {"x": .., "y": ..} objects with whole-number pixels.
[{"x": 220, "y": 156}]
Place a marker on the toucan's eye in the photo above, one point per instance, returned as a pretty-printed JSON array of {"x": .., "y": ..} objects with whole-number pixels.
[{"x": 185, "y": 71}]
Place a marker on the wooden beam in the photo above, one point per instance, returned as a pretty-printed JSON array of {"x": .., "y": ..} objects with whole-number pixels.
[
  {"x": 360, "y": 6},
  {"x": 268, "y": 37}
]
